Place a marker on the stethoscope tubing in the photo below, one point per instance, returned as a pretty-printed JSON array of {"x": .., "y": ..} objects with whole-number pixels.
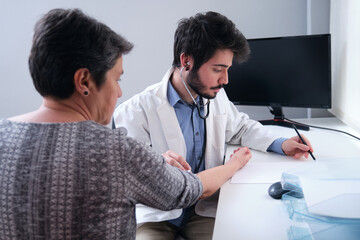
[{"x": 196, "y": 104}]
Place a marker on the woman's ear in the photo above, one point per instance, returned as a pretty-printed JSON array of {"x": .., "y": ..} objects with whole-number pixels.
[{"x": 82, "y": 81}]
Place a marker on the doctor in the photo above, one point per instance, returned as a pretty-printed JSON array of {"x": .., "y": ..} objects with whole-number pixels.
[{"x": 188, "y": 112}]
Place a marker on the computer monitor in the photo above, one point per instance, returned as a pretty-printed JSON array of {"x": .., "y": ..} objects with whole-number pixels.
[{"x": 284, "y": 72}]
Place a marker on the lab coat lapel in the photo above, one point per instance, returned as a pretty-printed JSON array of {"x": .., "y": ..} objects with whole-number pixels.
[
  {"x": 172, "y": 130},
  {"x": 168, "y": 119},
  {"x": 215, "y": 136}
]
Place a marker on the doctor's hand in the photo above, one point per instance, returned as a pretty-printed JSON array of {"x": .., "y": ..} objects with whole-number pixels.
[
  {"x": 176, "y": 160},
  {"x": 294, "y": 147}
]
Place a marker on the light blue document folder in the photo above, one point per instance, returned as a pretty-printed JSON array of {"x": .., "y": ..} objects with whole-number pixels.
[{"x": 334, "y": 213}]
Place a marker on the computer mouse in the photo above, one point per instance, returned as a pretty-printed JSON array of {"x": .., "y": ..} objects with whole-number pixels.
[{"x": 276, "y": 190}]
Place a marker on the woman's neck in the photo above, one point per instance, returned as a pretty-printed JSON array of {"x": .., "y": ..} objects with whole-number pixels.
[{"x": 56, "y": 111}]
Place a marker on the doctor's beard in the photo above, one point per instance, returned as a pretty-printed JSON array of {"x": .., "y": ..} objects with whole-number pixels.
[{"x": 195, "y": 82}]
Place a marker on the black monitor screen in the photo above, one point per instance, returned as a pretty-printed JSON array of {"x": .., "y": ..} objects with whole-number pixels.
[{"x": 285, "y": 71}]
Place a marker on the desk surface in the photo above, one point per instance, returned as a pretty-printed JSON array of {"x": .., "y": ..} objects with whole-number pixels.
[{"x": 246, "y": 211}]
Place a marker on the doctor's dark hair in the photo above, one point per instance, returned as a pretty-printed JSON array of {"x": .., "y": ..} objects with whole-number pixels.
[
  {"x": 66, "y": 40},
  {"x": 205, "y": 33}
]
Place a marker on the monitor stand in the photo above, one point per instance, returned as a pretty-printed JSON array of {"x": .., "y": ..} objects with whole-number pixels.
[{"x": 280, "y": 120}]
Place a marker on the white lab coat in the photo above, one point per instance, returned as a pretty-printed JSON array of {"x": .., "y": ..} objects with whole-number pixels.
[{"x": 149, "y": 117}]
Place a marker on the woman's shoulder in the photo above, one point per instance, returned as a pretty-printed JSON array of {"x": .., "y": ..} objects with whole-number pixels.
[
  {"x": 118, "y": 134},
  {"x": 97, "y": 130}
]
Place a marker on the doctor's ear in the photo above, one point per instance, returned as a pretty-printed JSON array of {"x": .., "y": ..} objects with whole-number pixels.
[{"x": 186, "y": 61}]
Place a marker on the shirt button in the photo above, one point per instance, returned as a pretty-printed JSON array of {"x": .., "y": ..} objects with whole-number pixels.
[{"x": 197, "y": 133}]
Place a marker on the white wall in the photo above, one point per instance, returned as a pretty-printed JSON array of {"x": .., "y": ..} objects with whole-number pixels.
[
  {"x": 150, "y": 25},
  {"x": 318, "y": 23},
  {"x": 345, "y": 31}
]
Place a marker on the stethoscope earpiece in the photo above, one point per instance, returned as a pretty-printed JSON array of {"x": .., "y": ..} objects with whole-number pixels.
[{"x": 187, "y": 66}]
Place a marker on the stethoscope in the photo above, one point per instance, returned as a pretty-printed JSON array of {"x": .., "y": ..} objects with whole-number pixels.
[
  {"x": 196, "y": 104},
  {"x": 201, "y": 116}
]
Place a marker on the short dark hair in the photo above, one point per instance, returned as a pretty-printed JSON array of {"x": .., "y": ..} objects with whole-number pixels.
[
  {"x": 66, "y": 40},
  {"x": 205, "y": 33}
]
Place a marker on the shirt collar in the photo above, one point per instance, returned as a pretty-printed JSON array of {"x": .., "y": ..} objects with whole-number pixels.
[{"x": 174, "y": 97}]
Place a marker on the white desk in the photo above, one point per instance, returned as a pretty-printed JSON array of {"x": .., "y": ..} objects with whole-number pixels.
[{"x": 246, "y": 211}]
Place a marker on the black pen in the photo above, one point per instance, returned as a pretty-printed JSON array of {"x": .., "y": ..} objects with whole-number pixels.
[{"x": 303, "y": 141}]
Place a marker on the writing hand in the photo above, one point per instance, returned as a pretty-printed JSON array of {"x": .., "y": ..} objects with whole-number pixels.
[{"x": 294, "y": 147}]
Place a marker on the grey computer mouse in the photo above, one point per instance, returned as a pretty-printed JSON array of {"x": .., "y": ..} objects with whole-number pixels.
[{"x": 276, "y": 190}]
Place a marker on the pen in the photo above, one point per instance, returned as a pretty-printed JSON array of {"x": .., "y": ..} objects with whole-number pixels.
[{"x": 303, "y": 141}]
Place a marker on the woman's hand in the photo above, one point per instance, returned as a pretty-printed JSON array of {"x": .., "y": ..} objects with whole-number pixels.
[
  {"x": 240, "y": 157},
  {"x": 213, "y": 178}
]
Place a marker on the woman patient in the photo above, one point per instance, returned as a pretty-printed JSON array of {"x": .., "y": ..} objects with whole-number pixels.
[{"x": 63, "y": 174}]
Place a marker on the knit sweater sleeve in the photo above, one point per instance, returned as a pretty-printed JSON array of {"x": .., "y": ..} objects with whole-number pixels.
[{"x": 151, "y": 181}]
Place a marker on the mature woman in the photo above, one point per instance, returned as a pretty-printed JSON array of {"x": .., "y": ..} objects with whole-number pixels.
[{"x": 63, "y": 175}]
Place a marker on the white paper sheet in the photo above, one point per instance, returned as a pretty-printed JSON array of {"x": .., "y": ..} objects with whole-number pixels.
[{"x": 264, "y": 172}]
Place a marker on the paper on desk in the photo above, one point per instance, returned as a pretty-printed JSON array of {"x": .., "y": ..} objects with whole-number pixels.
[
  {"x": 264, "y": 172},
  {"x": 332, "y": 197}
]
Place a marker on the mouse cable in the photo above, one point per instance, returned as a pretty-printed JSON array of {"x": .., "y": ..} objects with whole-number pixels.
[{"x": 331, "y": 129}]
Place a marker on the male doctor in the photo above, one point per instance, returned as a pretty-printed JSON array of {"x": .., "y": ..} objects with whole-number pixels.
[{"x": 188, "y": 112}]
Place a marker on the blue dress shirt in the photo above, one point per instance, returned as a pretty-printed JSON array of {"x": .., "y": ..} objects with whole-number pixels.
[{"x": 193, "y": 129}]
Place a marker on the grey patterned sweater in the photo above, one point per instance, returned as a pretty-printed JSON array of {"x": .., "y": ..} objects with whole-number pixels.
[{"x": 81, "y": 181}]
